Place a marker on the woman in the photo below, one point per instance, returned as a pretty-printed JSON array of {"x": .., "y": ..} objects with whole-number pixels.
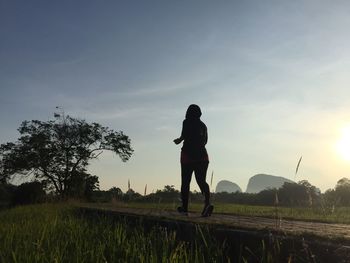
[{"x": 194, "y": 158}]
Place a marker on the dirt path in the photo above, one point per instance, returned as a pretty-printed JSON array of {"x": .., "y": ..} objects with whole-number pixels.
[{"x": 324, "y": 230}]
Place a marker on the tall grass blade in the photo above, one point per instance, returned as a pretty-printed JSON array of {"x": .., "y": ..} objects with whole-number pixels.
[
  {"x": 202, "y": 235},
  {"x": 297, "y": 168}
]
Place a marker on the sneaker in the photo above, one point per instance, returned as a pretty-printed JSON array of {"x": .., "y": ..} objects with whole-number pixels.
[
  {"x": 182, "y": 211},
  {"x": 207, "y": 210}
]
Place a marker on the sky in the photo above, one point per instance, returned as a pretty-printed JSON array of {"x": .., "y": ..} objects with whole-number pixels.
[{"x": 271, "y": 77}]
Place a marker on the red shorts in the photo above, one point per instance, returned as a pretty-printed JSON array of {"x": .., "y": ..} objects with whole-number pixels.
[{"x": 185, "y": 158}]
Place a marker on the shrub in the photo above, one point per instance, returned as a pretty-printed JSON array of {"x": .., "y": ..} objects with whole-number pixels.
[{"x": 29, "y": 193}]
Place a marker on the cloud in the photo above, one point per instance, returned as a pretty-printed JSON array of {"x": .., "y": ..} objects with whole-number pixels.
[
  {"x": 163, "y": 87},
  {"x": 67, "y": 62},
  {"x": 115, "y": 113}
]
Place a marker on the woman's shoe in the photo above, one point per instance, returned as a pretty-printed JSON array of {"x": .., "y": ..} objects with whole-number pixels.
[
  {"x": 182, "y": 211},
  {"x": 207, "y": 210}
]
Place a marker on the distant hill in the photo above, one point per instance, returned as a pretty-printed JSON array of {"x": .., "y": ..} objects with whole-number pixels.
[
  {"x": 261, "y": 182},
  {"x": 227, "y": 186}
]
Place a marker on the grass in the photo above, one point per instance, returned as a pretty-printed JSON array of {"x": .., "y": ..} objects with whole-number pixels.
[
  {"x": 340, "y": 215},
  {"x": 55, "y": 233},
  {"x": 59, "y": 233}
]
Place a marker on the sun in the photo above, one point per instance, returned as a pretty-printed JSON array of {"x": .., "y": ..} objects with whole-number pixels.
[{"x": 343, "y": 144}]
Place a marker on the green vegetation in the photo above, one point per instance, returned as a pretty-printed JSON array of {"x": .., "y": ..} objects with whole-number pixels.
[
  {"x": 56, "y": 233},
  {"x": 62, "y": 233}
]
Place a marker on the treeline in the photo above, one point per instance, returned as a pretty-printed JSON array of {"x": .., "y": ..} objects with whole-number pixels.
[
  {"x": 301, "y": 194},
  {"x": 26, "y": 193},
  {"x": 80, "y": 186}
]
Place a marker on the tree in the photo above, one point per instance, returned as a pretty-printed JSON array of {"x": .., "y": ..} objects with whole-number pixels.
[
  {"x": 3, "y": 179},
  {"x": 169, "y": 193},
  {"x": 58, "y": 150},
  {"x": 116, "y": 191},
  {"x": 301, "y": 193},
  {"x": 130, "y": 195},
  {"x": 343, "y": 183},
  {"x": 330, "y": 198},
  {"x": 342, "y": 191},
  {"x": 170, "y": 189},
  {"x": 267, "y": 197},
  {"x": 82, "y": 184},
  {"x": 6, "y": 194}
]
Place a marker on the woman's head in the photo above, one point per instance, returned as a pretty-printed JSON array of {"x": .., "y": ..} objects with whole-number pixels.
[{"x": 193, "y": 112}]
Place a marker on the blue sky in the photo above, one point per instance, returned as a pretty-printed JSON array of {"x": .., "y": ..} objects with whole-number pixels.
[{"x": 271, "y": 78}]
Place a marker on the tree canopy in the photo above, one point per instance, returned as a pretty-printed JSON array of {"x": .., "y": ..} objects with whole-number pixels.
[{"x": 58, "y": 151}]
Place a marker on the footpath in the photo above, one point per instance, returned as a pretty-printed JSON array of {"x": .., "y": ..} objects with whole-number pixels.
[{"x": 276, "y": 225}]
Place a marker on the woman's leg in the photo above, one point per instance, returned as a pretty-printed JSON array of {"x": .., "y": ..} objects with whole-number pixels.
[
  {"x": 201, "y": 174},
  {"x": 186, "y": 175}
]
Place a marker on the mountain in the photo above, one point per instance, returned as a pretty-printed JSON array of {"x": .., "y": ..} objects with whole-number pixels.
[
  {"x": 227, "y": 186},
  {"x": 261, "y": 182}
]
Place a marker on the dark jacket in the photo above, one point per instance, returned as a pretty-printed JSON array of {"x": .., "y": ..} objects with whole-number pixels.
[{"x": 195, "y": 135}]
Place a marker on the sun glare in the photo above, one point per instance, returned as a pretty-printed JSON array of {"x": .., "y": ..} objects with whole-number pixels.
[{"x": 343, "y": 144}]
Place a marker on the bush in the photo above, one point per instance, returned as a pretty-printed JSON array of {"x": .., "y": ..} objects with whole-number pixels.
[
  {"x": 6, "y": 194},
  {"x": 29, "y": 193}
]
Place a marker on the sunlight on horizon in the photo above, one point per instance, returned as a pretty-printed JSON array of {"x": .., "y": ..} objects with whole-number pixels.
[{"x": 343, "y": 143}]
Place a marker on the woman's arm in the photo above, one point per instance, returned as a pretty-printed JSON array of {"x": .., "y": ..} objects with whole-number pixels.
[
  {"x": 178, "y": 140},
  {"x": 182, "y": 137}
]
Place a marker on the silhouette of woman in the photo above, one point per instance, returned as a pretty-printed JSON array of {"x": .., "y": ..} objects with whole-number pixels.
[{"x": 194, "y": 158}]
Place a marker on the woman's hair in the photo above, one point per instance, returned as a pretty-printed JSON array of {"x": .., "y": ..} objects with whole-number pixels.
[{"x": 193, "y": 112}]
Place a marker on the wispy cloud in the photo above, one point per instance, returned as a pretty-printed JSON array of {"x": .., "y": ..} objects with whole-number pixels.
[
  {"x": 70, "y": 61},
  {"x": 164, "y": 87},
  {"x": 114, "y": 113}
]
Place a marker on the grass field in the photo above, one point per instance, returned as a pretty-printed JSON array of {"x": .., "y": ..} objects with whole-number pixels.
[
  {"x": 60, "y": 233},
  {"x": 339, "y": 215},
  {"x": 55, "y": 233}
]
